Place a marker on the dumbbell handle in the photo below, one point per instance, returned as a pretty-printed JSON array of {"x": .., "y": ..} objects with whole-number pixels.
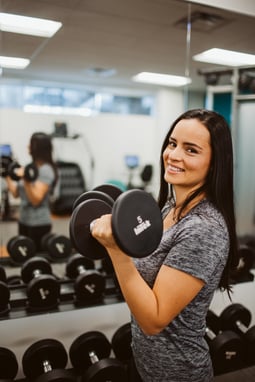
[
  {"x": 210, "y": 334},
  {"x": 93, "y": 357},
  {"x": 241, "y": 327}
]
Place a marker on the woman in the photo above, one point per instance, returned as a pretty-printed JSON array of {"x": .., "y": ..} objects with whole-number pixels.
[
  {"x": 170, "y": 291},
  {"x": 34, "y": 214}
]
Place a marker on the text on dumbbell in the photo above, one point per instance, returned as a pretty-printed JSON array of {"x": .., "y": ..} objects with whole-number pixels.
[{"x": 142, "y": 226}]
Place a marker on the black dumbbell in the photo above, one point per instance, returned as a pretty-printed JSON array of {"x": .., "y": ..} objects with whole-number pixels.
[
  {"x": 30, "y": 171},
  {"x": 8, "y": 364},
  {"x": 121, "y": 343},
  {"x": 109, "y": 189},
  {"x": 56, "y": 245},
  {"x": 89, "y": 284},
  {"x": 43, "y": 289},
  {"x": 136, "y": 224},
  {"x": 45, "y": 361},
  {"x": 226, "y": 347},
  {"x": 4, "y": 293},
  {"x": 237, "y": 317},
  {"x": 90, "y": 356},
  {"x": 21, "y": 248},
  {"x": 246, "y": 260},
  {"x": 5, "y": 162}
]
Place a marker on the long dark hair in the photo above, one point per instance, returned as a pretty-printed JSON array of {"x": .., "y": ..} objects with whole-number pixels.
[
  {"x": 219, "y": 184},
  {"x": 41, "y": 149}
]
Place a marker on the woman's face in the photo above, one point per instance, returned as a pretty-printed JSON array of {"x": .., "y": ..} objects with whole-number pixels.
[{"x": 187, "y": 156}]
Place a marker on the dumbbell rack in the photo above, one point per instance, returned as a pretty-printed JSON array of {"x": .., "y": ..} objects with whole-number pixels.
[{"x": 105, "y": 313}]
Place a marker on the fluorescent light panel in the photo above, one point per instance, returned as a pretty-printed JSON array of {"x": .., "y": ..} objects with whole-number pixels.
[
  {"x": 161, "y": 79},
  {"x": 28, "y": 25},
  {"x": 225, "y": 57},
  {"x": 14, "y": 62}
]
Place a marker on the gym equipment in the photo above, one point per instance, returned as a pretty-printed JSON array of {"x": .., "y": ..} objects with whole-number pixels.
[
  {"x": 21, "y": 248},
  {"x": 121, "y": 343},
  {"x": 237, "y": 317},
  {"x": 89, "y": 354},
  {"x": 45, "y": 361},
  {"x": 246, "y": 260},
  {"x": 89, "y": 284},
  {"x": 30, "y": 171},
  {"x": 98, "y": 195},
  {"x": 8, "y": 364},
  {"x": 109, "y": 189},
  {"x": 43, "y": 290},
  {"x": 4, "y": 293},
  {"x": 5, "y": 162},
  {"x": 226, "y": 347},
  {"x": 57, "y": 246},
  {"x": 136, "y": 224}
]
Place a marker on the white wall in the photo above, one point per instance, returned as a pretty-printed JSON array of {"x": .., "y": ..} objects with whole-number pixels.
[{"x": 108, "y": 137}]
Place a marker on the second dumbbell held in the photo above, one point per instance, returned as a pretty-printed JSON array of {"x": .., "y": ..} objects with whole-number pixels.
[{"x": 136, "y": 224}]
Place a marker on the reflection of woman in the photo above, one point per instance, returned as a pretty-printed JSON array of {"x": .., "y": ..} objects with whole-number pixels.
[
  {"x": 170, "y": 291},
  {"x": 34, "y": 216}
]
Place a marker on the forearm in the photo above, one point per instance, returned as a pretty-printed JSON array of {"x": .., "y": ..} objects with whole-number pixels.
[
  {"x": 139, "y": 296},
  {"x": 32, "y": 193},
  {"x": 12, "y": 187}
]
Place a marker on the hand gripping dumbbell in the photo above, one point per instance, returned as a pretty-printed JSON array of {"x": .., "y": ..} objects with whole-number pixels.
[
  {"x": 136, "y": 223},
  {"x": 57, "y": 246},
  {"x": 121, "y": 343},
  {"x": 89, "y": 354},
  {"x": 21, "y": 248},
  {"x": 8, "y": 365},
  {"x": 238, "y": 318},
  {"x": 4, "y": 293},
  {"x": 45, "y": 361},
  {"x": 225, "y": 346},
  {"x": 89, "y": 284},
  {"x": 43, "y": 289},
  {"x": 30, "y": 171}
]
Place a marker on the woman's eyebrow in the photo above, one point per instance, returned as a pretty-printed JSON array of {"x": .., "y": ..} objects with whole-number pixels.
[{"x": 187, "y": 143}]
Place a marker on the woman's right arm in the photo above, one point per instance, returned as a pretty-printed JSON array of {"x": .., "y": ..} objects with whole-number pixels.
[{"x": 12, "y": 187}]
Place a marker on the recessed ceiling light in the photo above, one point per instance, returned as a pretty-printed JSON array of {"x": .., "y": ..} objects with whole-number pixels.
[
  {"x": 161, "y": 79},
  {"x": 14, "y": 62},
  {"x": 28, "y": 25},
  {"x": 225, "y": 57}
]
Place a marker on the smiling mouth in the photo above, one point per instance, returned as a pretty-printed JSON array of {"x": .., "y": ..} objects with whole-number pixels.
[{"x": 174, "y": 169}]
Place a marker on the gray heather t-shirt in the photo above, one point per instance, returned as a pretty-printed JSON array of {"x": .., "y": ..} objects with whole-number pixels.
[
  {"x": 198, "y": 245},
  {"x": 36, "y": 215}
]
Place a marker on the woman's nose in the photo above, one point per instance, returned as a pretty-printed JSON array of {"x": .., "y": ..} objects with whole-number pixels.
[{"x": 175, "y": 153}]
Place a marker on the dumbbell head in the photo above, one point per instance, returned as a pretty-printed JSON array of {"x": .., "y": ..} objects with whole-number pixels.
[
  {"x": 89, "y": 354},
  {"x": 89, "y": 283},
  {"x": 30, "y": 172},
  {"x": 12, "y": 170},
  {"x": 8, "y": 364},
  {"x": 79, "y": 227},
  {"x": 57, "y": 246},
  {"x": 137, "y": 223},
  {"x": 46, "y": 352},
  {"x": 5, "y": 163},
  {"x": 2, "y": 274},
  {"x": 94, "y": 194},
  {"x": 121, "y": 342},
  {"x": 43, "y": 289},
  {"x": 109, "y": 189},
  {"x": 233, "y": 313},
  {"x": 21, "y": 248}
]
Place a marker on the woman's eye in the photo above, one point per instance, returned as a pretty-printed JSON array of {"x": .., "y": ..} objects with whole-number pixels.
[
  {"x": 172, "y": 144},
  {"x": 191, "y": 150}
]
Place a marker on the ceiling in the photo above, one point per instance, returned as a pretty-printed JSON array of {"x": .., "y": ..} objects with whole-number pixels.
[{"x": 128, "y": 36}]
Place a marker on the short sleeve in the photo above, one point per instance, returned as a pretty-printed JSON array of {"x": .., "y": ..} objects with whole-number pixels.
[
  {"x": 46, "y": 174},
  {"x": 199, "y": 247}
]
